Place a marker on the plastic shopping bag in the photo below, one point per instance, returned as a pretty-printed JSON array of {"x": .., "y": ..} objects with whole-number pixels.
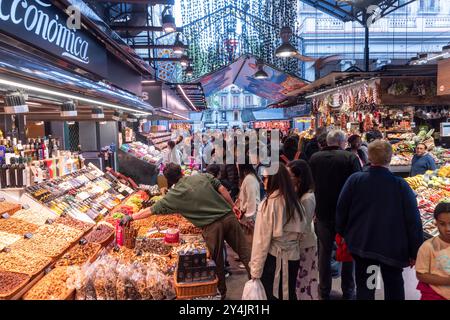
[{"x": 254, "y": 290}]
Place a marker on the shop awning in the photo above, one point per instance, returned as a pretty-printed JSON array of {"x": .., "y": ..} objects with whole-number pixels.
[
  {"x": 41, "y": 79},
  {"x": 247, "y": 115},
  {"x": 240, "y": 73}
]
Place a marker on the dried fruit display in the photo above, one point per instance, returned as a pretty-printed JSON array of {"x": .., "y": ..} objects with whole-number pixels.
[
  {"x": 34, "y": 217},
  {"x": 13, "y": 225},
  {"x": 152, "y": 246},
  {"x": 9, "y": 207},
  {"x": 53, "y": 286},
  {"x": 110, "y": 278},
  {"x": 10, "y": 282},
  {"x": 79, "y": 254},
  {"x": 100, "y": 233},
  {"x": 7, "y": 239},
  {"x": 29, "y": 263},
  {"x": 74, "y": 223},
  {"x": 59, "y": 231},
  {"x": 45, "y": 246}
]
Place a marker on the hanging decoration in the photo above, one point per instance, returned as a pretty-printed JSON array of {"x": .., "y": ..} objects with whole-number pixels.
[{"x": 220, "y": 31}]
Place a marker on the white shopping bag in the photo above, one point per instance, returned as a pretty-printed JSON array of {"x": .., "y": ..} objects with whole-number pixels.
[{"x": 254, "y": 290}]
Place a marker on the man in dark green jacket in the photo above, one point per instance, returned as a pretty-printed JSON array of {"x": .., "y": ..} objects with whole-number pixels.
[{"x": 203, "y": 201}]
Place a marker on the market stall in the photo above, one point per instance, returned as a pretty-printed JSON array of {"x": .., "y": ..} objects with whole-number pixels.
[{"x": 64, "y": 241}]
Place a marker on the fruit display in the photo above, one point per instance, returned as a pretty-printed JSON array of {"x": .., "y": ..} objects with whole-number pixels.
[
  {"x": 431, "y": 188},
  {"x": 401, "y": 159},
  {"x": 53, "y": 286}
]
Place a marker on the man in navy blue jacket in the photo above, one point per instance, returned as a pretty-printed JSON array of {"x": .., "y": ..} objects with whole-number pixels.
[{"x": 378, "y": 217}]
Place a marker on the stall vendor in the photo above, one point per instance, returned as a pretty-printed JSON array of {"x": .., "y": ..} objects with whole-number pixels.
[
  {"x": 206, "y": 203},
  {"x": 422, "y": 161}
]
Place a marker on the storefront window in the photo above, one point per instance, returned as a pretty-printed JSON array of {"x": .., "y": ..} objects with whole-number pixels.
[
  {"x": 236, "y": 116},
  {"x": 429, "y": 6}
]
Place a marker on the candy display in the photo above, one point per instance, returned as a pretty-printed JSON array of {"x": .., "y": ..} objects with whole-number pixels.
[
  {"x": 20, "y": 261},
  {"x": 143, "y": 152},
  {"x": 53, "y": 286},
  {"x": 11, "y": 282},
  {"x": 79, "y": 255}
]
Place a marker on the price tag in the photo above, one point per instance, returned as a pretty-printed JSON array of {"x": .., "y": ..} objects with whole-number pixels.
[
  {"x": 63, "y": 214},
  {"x": 82, "y": 241},
  {"x": 28, "y": 235},
  {"x": 5, "y": 215},
  {"x": 2, "y": 199},
  {"x": 47, "y": 270},
  {"x": 120, "y": 197},
  {"x": 116, "y": 248},
  {"x": 104, "y": 211},
  {"x": 26, "y": 207},
  {"x": 49, "y": 221}
]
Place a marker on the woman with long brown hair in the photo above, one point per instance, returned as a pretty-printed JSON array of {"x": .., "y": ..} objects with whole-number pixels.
[
  {"x": 308, "y": 273},
  {"x": 279, "y": 226}
]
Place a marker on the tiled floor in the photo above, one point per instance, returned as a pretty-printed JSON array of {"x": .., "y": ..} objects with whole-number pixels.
[{"x": 236, "y": 282}]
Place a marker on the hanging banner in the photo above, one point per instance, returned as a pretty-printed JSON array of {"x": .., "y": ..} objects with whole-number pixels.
[
  {"x": 443, "y": 78},
  {"x": 43, "y": 25}
]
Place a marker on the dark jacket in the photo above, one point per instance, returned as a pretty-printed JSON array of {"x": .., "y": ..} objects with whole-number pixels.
[
  {"x": 361, "y": 155},
  {"x": 330, "y": 168},
  {"x": 311, "y": 148},
  {"x": 230, "y": 173},
  {"x": 378, "y": 217}
]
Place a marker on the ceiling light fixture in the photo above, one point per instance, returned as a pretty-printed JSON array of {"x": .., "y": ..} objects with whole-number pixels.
[
  {"x": 180, "y": 116},
  {"x": 184, "y": 61},
  {"x": 70, "y": 123},
  {"x": 189, "y": 71},
  {"x": 131, "y": 118},
  {"x": 39, "y": 123},
  {"x": 97, "y": 113},
  {"x": 15, "y": 102},
  {"x": 286, "y": 49},
  {"x": 168, "y": 21},
  {"x": 178, "y": 46},
  {"x": 68, "y": 109},
  {"x": 65, "y": 95},
  {"x": 117, "y": 116},
  {"x": 260, "y": 74},
  {"x": 165, "y": 111}
]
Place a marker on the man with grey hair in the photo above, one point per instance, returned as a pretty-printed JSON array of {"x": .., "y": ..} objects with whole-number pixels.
[
  {"x": 378, "y": 217},
  {"x": 331, "y": 167}
]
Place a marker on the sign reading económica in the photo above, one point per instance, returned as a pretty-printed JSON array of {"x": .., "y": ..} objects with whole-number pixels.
[{"x": 40, "y": 23}]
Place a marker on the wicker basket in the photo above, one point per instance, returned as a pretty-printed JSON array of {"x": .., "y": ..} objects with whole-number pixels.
[{"x": 195, "y": 289}]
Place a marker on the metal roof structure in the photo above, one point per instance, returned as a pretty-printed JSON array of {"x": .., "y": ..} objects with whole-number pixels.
[{"x": 357, "y": 10}]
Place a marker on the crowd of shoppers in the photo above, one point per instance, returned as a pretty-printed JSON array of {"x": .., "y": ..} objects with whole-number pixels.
[{"x": 284, "y": 224}]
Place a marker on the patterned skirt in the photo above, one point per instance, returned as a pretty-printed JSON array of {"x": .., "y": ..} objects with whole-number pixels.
[{"x": 307, "y": 287}]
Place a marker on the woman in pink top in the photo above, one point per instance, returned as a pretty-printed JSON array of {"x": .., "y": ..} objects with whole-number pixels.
[{"x": 433, "y": 259}]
